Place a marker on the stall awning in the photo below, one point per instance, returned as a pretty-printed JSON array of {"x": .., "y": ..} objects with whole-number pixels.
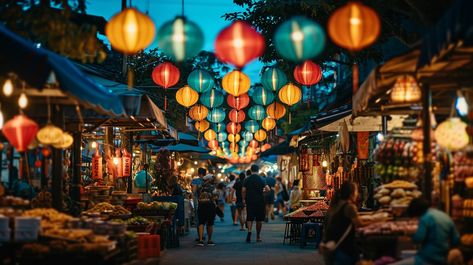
[
  {"x": 279, "y": 149},
  {"x": 363, "y": 124},
  {"x": 184, "y": 148}
]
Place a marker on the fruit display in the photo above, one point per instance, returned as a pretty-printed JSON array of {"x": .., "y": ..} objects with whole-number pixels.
[
  {"x": 50, "y": 218},
  {"x": 397, "y": 193},
  {"x": 79, "y": 235},
  {"x": 318, "y": 206},
  {"x": 463, "y": 165},
  {"x": 105, "y": 207},
  {"x": 316, "y": 210},
  {"x": 467, "y": 240},
  {"x": 408, "y": 227},
  {"x": 166, "y": 206},
  {"x": 375, "y": 217},
  {"x": 138, "y": 220}
]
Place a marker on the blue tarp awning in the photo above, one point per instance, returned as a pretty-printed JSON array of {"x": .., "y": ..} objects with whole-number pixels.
[
  {"x": 279, "y": 149},
  {"x": 184, "y": 148}
]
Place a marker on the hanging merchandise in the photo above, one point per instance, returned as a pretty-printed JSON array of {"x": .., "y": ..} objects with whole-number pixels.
[
  {"x": 166, "y": 75},
  {"x": 268, "y": 124},
  {"x": 210, "y": 135},
  {"x": 216, "y": 115},
  {"x": 257, "y": 112},
  {"x": 97, "y": 170},
  {"x": 180, "y": 38},
  {"x": 236, "y": 83},
  {"x": 273, "y": 79},
  {"x": 239, "y": 102},
  {"x": 126, "y": 161},
  {"x": 251, "y": 126},
  {"x": 20, "y": 132},
  {"x": 262, "y": 96},
  {"x": 304, "y": 163},
  {"x": 260, "y": 135},
  {"x": 212, "y": 98},
  {"x": 118, "y": 161},
  {"x": 275, "y": 110},
  {"x": 362, "y": 145},
  {"x": 237, "y": 116},
  {"x": 233, "y": 128},
  {"x": 200, "y": 80},
  {"x": 451, "y": 134},
  {"x": 308, "y": 73},
  {"x": 198, "y": 112},
  {"x": 202, "y": 126},
  {"x": 344, "y": 136},
  {"x": 186, "y": 96}
]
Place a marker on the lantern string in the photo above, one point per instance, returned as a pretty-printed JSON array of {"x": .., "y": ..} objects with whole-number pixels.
[
  {"x": 182, "y": 6},
  {"x": 49, "y": 110}
]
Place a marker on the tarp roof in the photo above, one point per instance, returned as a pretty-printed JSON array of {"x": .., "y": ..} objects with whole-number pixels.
[{"x": 363, "y": 124}]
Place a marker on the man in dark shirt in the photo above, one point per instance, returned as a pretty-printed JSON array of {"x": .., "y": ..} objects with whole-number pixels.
[
  {"x": 253, "y": 196},
  {"x": 240, "y": 206}
]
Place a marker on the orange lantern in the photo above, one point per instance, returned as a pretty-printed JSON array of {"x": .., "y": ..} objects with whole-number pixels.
[
  {"x": 290, "y": 94},
  {"x": 276, "y": 110},
  {"x": 126, "y": 160},
  {"x": 236, "y": 115},
  {"x": 198, "y": 112},
  {"x": 268, "y": 124},
  {"x": 234, "y": 147},
  {"x": 239, "y": 102},
  {"x": 253, "y": 144},
  {"x": 213, "y": 144},
  {"x": 233, "y": 128},
  {"x": 186, "y": 96},
  {"x": 354, "y": 26},
  {"x": 254, "y": 157},
  {"x": 210, "y": 135},
  {"x": 20, "y": 132},
  {"x": 236, "y": 83},
  {"x": 166, "y": 75},
  {"x": 202, "y": 125},
  {"x": 308, "y": 73},
  {"x": 265, "y": 147},
  {"x": 46, "y": 152},
  {"x": 260, "y": 135},
  {"x": 233, "y": 160},
  {"x": 234, "y": 138}
]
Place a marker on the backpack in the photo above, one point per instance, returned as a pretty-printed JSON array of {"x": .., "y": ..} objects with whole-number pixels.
[{"x": 206, "y": 194}]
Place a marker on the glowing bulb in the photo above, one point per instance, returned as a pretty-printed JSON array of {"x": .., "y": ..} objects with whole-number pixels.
[
  {"x": 195, "y": 163},
  {"x": 461, "y": 105},
  {"x": 297, "y": 36},
  {"x": 23, "y": 101},
  {"x": 115, "y": 160},
  {"x": 94, "y": 145},
  {"x": 324, "y": 163},
  {"x": 192, "y": 170},
  {"x": 8, "y": 88},
  {"x": 219, "y": 175},
  {"x": 380, "y": 137},
  {"x": 219, "y": 166},
  {"x": 355, "y": 21},
  {"x": 1, "y": 119}
]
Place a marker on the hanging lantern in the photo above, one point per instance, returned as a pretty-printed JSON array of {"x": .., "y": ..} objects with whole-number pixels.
[
  {"x": 247, "y": 136},
  {"x": 273, "y": 79},
  {"x": 236, "y": 83},
  {"x": 212, "y": 98},
  {"x": 218, "y": 127},
  {"x": 216, "y": 115},
  {"x": 299, "y": 39},
  {"x": 202, "y": 126},
  {"x": 451, "y": 134},
  {"x": 186, "y": 96},
  {"x": 239, "y": 44},
  {"x": 290, "y": 94},
  {"x": 354, "y": 26},
  {"x": 180, "y": 38},
  {"x": 198, "y": 112},
  {"x": 234, "y": 138},
  {"x": 222, "y": 137},
  {"x": 260, "y": 135},
  {"x": 233, "y": 128},
  {"x": 210, "y": 135},
  {"x": 200, "y": 80},
  {"x": 213, "y": 144},
  {"x": 268, "y": 124},
  {"x": 243, "y": 143},
  {"x": 130, "y": 31},
  {"x": 49, "y": 134},
  {"x": 406, "y": 90},
  {"x": 20, "y": 132},
  {"x": 262, "y": 96},
  {"x": 65, "y": 141},
  {"x": 265, "y": 147},
  {"x": 239, "y": 102},
  {"x": 166, "y": 75},
  {"x": 233, "y": 160},
  {"x": 308, "y": 73},
  {"x": 276, "y": 110},
  {"x": 251, "y": 126},
  {"x": 257, "y": 112},
  {"x": 46, "y": 152},
  {"x": 126, "y": 163},
  {"x": 253, "y": 144},
  {"x": 236, "y": 115},
  {"x": 235, "y": 148},
  {"x": 97, "y": 167}
]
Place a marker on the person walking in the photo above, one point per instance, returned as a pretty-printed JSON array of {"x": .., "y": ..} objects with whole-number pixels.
[
  {"x": 240, "y": 206},
  {"x": 282, "y": 196},
  {"x": 295, "y": 196},
  {"x": 196, "y": 185},
  {"x": 253, "y": 191},
  {"x": 206, "y": 209},
  {"x": 269, "y": 198},
  {"x": 230, "y": 197},
  {"x": 221, "y": 199}
]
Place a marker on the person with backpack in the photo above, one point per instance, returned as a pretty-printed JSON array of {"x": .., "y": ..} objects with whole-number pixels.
[
  {"x": 282, "y": 196},
  {"x": 206, "y": 209}
]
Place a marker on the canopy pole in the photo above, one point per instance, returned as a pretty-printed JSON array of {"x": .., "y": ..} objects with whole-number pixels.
[
  {"x": 426, "y": 146},
  {"x": 57, "y": 164},
  {"x": 384, "y": 124},
  {"x": 130, "y": 149},
  {"x": 76, "y": 165}
]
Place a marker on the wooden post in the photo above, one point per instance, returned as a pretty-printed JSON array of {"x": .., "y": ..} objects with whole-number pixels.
[
  {"x": 426, "y": 147},
  {"x": 76, "y": 166},
  {"x": 130, "y": 149},
  {"x": 57, "y": 166},
  {"x": 11, "y": 171}
]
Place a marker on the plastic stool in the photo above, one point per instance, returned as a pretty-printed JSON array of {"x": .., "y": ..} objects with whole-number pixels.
[
  {"x": 149, "y": 246},
  {"x": 305, "y": 232}
]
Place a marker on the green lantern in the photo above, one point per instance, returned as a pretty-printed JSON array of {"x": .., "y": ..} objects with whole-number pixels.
[
  {"x": 200, "y": 80},
  {"x": 222, "y": 137},
  {"x": 273, "y": 79},
  {"x": 257, "y": 112},
  {"x": 247, "y": 136},
  {"x": 180, "y": 38},
  {"x": 216, "y": 115},
  {"x": 218, "y": 127},
  {"x": 299, "y": 39},
  {"x": 262, "y": 96},
  {"x": 212, "y": 99},
  {"x": 252, "y": 126}
]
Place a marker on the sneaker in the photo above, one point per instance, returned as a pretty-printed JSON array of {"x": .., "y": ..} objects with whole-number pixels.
[
  {"x": 200, "y": 244},
  {"x": 248, "y": 237},
  {"x": 210, "y": 244}
]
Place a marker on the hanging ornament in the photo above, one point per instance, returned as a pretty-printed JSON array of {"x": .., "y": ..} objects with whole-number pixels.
[
  {"x": 239, "y": 102},
  {"x": 233, "y": 128},
  {"x": 236, "y": 115},
  {"x": 8, "y": 87},
  {"x": 251, "y": 126},
  {"x": 260, "y": 135},
  {"x": 268, "y": 124},
  {"x": 210, "y": 135},
  {"x": 97, "y": 170},
  {"x": 20, "y": 132},
  {"x": 23, "y": 100},
  {"x": 130, "y": 31},
  {"x": 186, "y": 96},
  {"x": 180, "y": 39},
  {"x": 308, "y": 73},
  {"x": 202, "y": 126},
  {"x": 49, "y": 134},
  {"x": 247, "y": 135},
  {"x": 239, "y": 44},
  {"x": 451, "y": 134},
  {"x": 234, "y": 138},
  {"x": 276, "y": 110},
  {"x": 212, "y": 98},
  {"x": 200, "y": 80},
  {"x": 2, "y": 120},
  {"x": 166, "y": 75},
  {"x": 243, "y": 143},
  {"x": 262, "y": 96},
  {"x": 299, "y": 39},
  {"x": 273, "y": 79},
  {"x": 222, "y": 137},
  {"x": 236, "y": 83},
  {"x": 198, "y": 112},
  {"x": 257, "y": 112},
  {"x": 253, "y": 144},
  {"x": 265, "y": 147},
  {"x": 216, "y": 115}
]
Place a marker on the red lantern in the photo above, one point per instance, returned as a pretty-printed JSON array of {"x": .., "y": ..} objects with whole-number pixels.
[
  {"x": 233, "y": 128},
  {"x": 97, "y": 169},
  {"x": 233, "y": 160},
  {"x": 20, "y": 132},
  {"x": 239, "y": 44},
  {"x": 46, "y": 152},
  {"x": 213, "y": 144},
  {"x": 253, "y": 144},
  {"x": 239, "y": 102},
  {"x": 236, "y": 115},
  {"x": 166, "y": 75},
  {"x": 308, "y": 73},
  {"x": 37, "y": 163},
  {"x": 265, "y": 147}
]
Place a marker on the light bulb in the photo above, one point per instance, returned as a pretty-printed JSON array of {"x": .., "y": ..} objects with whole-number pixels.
[
  {"x": 461, "y": 105},
  {"x": 94, "y": 145},
  {"x": 23, "y": 101},
  {"x": 192, "y": 170},
  {"x": 8, "y": 87},
  {"x": 115, "y": 160},
  {"x": 195, "y": 163},
  {"x": 1, "y": 119},
  {"x": 219, "y": 166},
  {"x": 324, "y": 163},
  {"x": 380, "y": 137}
]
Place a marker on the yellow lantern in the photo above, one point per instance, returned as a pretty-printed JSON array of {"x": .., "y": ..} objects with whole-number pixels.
[
  {"x": 198, "y": 112},
  {"x": 234, "y": 138},
  {"x": 65, "y": 141},
  {"x": 130, "y": 31},
  {"x": 260, "y": 135},
  {"x": 202, "y": 125},
  {"x": 234, "y": 148},
  {"x": 451, "y": 134},
  {"x": 210, "y": 135},
  {"x": 236, "y": 83},
  {"x": 406, "y": 90},
  {"x": 186, "y": 96},
  {"x": 49, "y": 134},
  {"x": 290, "y": 94},
  {"x": 276, "y": 110},
  {"x": 268, "y": 124}
]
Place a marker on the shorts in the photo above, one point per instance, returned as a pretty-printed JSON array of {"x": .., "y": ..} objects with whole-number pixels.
[
  {"x": 206, "y": 214},
  {"x": 255, "y": 212},
  {"x": 239, "y": 205}
]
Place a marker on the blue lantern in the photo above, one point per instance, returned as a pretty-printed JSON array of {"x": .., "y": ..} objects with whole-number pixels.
[
  {"x": 273, "y": 79},
  {"x": 222, "y": 137},
  {"x": 251, "y": 126},
  {"x": 218, "y": 127},
  {"x": 299, "y": 39},
  {"x": 212, "y": 99},
  {"x": 224, "y": 144},
  {"x": 216, "y": 115},
  {"x": 180, "y": 39},
  {"x": 257, "y": 112},
  {"x": 247, "y": 136},
  {"x": 262, "y": 96},
  {"x": 243, "y": 143},
  {"x": 200, "y": 80}
]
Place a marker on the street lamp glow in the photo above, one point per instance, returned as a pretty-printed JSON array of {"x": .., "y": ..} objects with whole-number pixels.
[{"x": 195, "y": 163}]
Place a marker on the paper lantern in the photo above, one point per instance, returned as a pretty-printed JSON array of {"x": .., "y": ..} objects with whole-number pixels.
[
  {"x": 354, "y": 26},
  {"x": 130, "y": 31},
  {"x": 290, "y": 94},
  {"x": 299, "y": 39},
  {"x": 265, "y": 147},
  {"x": 49, "y": 134},
  {"x": 257, "y": 112},
  {"x": 233, "y": 160},
  {"x": 451, "y": 134},
  {"x": 210, "y": 135},
  {"x": 212, "y": 98},
  {"x": 202, "y": 126},
  {"x": 218, "y": 127},
  {"x": 234, "y": 147},
  {"x": 97, "y": 167},
  {"x": 198, "y": 112},
  {"x": 406, "y": 90},
  {"x": 234, "y": 138},
  {"x": 276, "y": 110},
  {"x": 236, "y": 115},
  {"x": 254, "y": 157},
  {"x": 251, "y": 126},
  {"x": 216, "y": 115},
  {"x": 46, "y": 152},
  {"x": 20, "y": 132},
  {"x": 222, "y": 137},
  {"x": 166, "y": 75},
  {"x": 236, "y": 83},
  {"x": 262, "y": 96},
  {"x": 213, "y": 144},
  {"x": 186, "y": 96},
  {"x": 247, "y": 135},
  {"x": 243, "y": 143},
  {"x": 233, "y": 128},
  {"x": 260, "y": 135},
  {"x": 239, "y": 102},
  {"x": 273, "y": 79},
  {"x": 239, "y": 44},
  {"x": 65, "y": 141},
  {"x": 308, "y": 73},
  {"x": 200, "y": 80},
  {"x": 180, "y": 39},
  {"x": 268, "y": 124}
]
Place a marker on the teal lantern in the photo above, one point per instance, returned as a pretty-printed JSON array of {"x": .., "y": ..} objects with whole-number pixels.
[
  {"x": 299, "y": 39},
  {"x": 224, "y": 144},
  {"x": 200, "y": 80},
  {"x": 273, "y": 79},
  {"x": 262, "y": 96},
  {"x": 257, "y": 112},
  {"x": 180, "y": 38},
  {"x": 222, "y": 137},
  {"x": 218, "y": 127},
  {"x": 247, "y": 136},
  {"x": 251, "y": 126},
  {"x": 243, "y": 143},
  {"x": 212, "y": 99},
  {"x": 216, "y": 115}
]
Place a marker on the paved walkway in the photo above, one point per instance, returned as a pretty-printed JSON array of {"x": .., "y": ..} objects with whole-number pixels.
[{"x": 231, "y": 248}]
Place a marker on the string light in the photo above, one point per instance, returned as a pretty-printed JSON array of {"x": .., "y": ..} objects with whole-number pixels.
[
  {"x": 23, "y": 101},
  {"x": 380, "y": 137},
  {"x": 115, "y": 161},
  {"x": 8, "y": 87},
  {"x": 461, "y": 105},
  {"x": 94, "y": 145},
  {"x": 324, "y": 163}
]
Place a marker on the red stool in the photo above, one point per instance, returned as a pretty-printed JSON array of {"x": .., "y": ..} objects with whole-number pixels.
[{"x": 149, "y": 246}]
